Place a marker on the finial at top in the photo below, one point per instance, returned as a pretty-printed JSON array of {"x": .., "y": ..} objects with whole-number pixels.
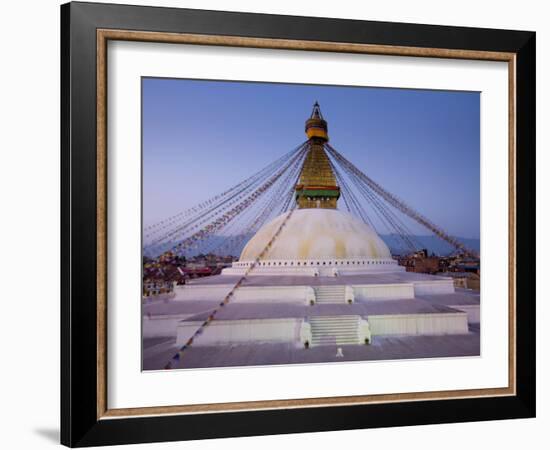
[
  {"x": 316, "y": 125},
  {"x": 316, "y": 113}
]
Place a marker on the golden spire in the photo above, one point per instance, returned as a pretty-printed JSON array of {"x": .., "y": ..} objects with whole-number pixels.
[{"x": 317, "y": 187}]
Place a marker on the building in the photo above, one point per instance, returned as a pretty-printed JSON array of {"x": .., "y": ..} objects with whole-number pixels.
[
  {"x": 420, "y": 262},
  {"x": 314, "y": 277}
]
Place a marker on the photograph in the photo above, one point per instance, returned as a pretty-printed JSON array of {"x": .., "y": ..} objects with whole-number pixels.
[
  {"x": 308, "y": 224},
  {"x": 284, "y": 223}
]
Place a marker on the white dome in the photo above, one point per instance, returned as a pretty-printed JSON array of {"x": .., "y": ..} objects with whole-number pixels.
[{"x": 317, "y": 234}]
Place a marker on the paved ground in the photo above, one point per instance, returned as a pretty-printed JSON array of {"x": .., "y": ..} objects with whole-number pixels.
[
  {"x": 200, "y": 309},
  {"x": 156, "y": 353},
  {"x": 460, "y": 297}
]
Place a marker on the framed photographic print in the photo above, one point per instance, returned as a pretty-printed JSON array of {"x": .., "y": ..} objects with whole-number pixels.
[{"x": 277, "y": 224}]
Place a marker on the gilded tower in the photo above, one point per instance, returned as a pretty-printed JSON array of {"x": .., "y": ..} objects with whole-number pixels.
[{"x": 317, "y": 187}]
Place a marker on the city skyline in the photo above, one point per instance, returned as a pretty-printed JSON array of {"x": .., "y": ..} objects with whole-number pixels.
[{"x": 201, "y": 137}]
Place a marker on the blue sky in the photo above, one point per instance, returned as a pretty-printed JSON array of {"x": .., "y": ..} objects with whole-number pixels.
[{"x": 201, "y": 137}]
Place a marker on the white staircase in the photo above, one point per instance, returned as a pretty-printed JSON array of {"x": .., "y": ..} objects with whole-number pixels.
[
  {"x": 334, "y": 330},
  {"x": 330, "y": 294}
]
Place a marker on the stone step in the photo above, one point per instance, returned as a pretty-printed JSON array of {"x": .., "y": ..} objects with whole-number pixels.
[
  {"x": 350, "y": 323},
  {"x": 334, "y": 341},
  {"x": 335, "y": 336},
  {"x": 333, "y": 330},
  {"x": 348, "y": 331},
  {"x": 330, "y": 291},
  {"x": 330, "y": 294},
  {"x": 332, "y": 318},
  {"x": 352, "y": 336},
  {"x": 330, "y": 300}
]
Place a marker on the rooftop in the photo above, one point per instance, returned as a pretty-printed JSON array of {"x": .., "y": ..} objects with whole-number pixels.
[{"x": 200, "y": 309}]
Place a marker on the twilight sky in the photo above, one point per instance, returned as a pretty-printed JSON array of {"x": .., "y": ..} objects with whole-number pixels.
[{"x": 201, "y": 137}]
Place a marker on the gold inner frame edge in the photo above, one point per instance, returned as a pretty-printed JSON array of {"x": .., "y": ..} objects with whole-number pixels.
[{"x": 103, "y": 36}]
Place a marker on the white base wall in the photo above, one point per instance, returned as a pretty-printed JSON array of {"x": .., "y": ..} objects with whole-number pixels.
[
  {"x": 279, "y": 294},
  {"x": 291, "y": 330},
  {"x": 471, "y": 310},
  {"x": 383, "y": 291},
  {"x": 419, "y": 324},
  {"x": 165, "y": 326},
  {"x": 434, "y": 287},
  {"x": 242, "y": 331},
  {"x": 201, "y": 292},
  {"x": 302, "y": 294}
]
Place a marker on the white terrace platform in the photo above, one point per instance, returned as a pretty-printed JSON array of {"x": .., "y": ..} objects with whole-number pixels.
[{"x": 305, "y": 310}]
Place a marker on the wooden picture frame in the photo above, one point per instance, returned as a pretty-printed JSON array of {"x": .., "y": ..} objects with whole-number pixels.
[{"x": 86, "y": 418}]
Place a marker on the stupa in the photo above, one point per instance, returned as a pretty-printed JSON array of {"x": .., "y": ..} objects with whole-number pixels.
[{"x": 326, "y": 279}]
